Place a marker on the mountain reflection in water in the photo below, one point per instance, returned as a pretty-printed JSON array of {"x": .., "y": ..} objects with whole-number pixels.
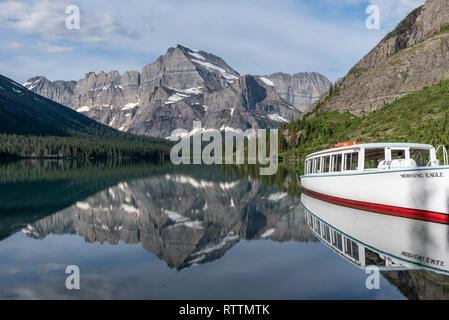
[
  {"x": 182, "y": 219},
  {"x": 201, "y": 222}
]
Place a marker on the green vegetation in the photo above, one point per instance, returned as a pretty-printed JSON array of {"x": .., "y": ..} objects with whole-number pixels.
[
  {"x": 443, "y": 29},
  {"x": 40, "y": 170},
  {"x": 28, "y": 146},
  {"x": 334, "y": 91},
  {"x": 421, "y": 117}
]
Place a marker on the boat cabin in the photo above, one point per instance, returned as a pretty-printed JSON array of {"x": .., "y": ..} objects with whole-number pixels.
[{"x": 372, "y": 156}]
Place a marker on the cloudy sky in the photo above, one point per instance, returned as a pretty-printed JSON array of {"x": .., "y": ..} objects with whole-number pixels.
[{"x": 253, "y": 36}]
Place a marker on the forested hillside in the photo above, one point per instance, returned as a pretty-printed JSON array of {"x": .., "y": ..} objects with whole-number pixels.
[
  {"x": 33, "y": 126},
  {"x": 421, "y": 117}
]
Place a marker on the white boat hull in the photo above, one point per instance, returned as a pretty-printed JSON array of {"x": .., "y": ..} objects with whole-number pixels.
[{"x": 425, "y": 189}]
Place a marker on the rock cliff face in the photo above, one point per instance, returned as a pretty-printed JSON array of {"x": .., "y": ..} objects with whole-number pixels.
[
  {"x": 182, "y": 219},
  {"x": 413, "y": 56},
  {"x": 182, "y": 86},
  {"x": 300, "y": 89}
]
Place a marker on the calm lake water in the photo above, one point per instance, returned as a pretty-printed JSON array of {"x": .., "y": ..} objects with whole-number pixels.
[{"x": 139, "y": 231}]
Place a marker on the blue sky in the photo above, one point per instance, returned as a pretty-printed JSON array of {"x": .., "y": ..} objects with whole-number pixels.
[{"x": 252, "y": 36}]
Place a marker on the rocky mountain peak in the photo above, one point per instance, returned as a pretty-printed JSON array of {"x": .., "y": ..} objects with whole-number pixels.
[{"x": 181, "y": 86}]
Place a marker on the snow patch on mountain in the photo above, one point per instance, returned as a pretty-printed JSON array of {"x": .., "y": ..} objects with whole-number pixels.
[
  {"x": 197, "y": 55},
  {"x": 83, "y": 205},
  {"x": 176, "y": 98},
  {"x": 189, "y": 180},
  {"x": 181, "y": 94},
  {"x": 276, "y": 117},
  {"x": 83, "y": 109},
  {"x": 130, "y": 209},
  {"x": 212, "y": 66},
  {"x": 277, "y": 196},
  {"x": 229, "y": 237},
  {"x": 267, "y": 233},
  {"x": 30, "y": 85},
  {"x": 267, "y": 81},
  {"x": 228, "y": 185},
  {"x": 130, "y": 106},
  {"x": 180, "y": 220}
]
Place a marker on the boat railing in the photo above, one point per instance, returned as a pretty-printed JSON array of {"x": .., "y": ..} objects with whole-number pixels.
[{"x": 445, "y": 157}]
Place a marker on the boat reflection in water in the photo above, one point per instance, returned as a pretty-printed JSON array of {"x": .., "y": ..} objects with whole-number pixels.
[{"x": 371, "y": 239}]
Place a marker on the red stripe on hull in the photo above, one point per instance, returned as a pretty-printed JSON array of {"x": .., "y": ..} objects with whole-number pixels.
[{"x": 380, "y": 208}]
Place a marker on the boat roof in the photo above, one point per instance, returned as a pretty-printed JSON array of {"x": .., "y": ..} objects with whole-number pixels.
[{"x": 374, "y": 146}]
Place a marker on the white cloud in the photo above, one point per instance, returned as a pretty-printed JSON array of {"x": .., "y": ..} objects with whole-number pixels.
[
  {"x": 47, "y": 19},
  {"x": 253, "y": 36},
  {"x": 13, "y": 45},
  {"x": 50, "y": 48}
]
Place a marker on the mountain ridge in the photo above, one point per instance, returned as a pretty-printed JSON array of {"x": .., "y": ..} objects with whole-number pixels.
[
  {"x": 411, "y": 57},
  {"x": 180, "y": 87}
]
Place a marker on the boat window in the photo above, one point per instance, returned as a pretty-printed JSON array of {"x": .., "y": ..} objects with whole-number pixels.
[
  {"x": 318, "y": 227},
  {"x": 336, "y": 162},
  {"x": 373, "y": 157},
  {"x": 352, "y": 249},
  {"x": 326, "y": 163},
  {"x": 355, "y": 251},
  {"x": 351, "y": 161},
  {"x": 317, "y": 165},
  {"x": 348, "y": 246},
  {"x": 421, "y": 156},
  {"x": 337, "y": 240},
  {"x": 397, "y": 154},
  {"x": 326, "y": 233}
]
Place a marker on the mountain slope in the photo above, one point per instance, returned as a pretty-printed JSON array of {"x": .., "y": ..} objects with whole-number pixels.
[
  {"x": 414, "y": 55},
  {"x": 24, "y": 112},
  {"x": 31, "y": 125},
  {"x": 180, "y": 87},
  {"x": 421, "y": 117}
]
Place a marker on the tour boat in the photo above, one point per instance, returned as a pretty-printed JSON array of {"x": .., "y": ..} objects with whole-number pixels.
[
  {"x": 400, "y": 179},
  {"x": 389, "y": 242}
]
